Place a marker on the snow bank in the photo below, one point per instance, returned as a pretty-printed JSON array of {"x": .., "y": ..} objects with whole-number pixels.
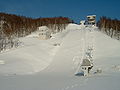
[
  {"x": 33, "y": 57},
  {"x": 73, "y": 27},
  {"x": 107, "y": 53}
]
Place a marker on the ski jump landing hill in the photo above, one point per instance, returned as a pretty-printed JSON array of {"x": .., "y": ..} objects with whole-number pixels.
[{"x": 40, "y": 65}]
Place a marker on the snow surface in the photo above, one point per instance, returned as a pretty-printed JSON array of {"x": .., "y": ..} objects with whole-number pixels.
[{"x": 41, "y": 65}]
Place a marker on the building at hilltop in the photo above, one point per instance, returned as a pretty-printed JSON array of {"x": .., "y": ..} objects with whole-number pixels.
[{"x": 91, "y": 20}]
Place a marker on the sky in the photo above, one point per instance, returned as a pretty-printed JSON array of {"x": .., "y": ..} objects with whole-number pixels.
[{"x": 75, "y": 9}]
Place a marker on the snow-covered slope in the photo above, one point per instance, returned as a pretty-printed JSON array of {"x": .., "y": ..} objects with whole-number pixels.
[
  {"x": 56, "y": 65},
  {"x": 107, "y": 53}
]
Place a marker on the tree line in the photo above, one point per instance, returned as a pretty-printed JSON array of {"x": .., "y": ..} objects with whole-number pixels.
[
  {"x": 110, "y": 26},
  {"x": 13, "y": 26}
]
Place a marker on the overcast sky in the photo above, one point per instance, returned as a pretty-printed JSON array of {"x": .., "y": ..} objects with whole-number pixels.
[{"x": 75, "y": 9}]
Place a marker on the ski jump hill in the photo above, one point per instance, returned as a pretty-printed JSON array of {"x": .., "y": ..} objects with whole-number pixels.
[{"x": 52, "y": 64}]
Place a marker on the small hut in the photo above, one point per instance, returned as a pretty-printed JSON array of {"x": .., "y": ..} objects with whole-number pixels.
[
  {"x": 44, "y": 32},
  {"x": 82, "y": 22},
  {"x": 86, "y": 66}
]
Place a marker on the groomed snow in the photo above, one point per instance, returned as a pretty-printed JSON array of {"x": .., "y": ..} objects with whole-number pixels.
[
  {"x": 56, "y": 64},
  {"x": 33, "y": 56}
]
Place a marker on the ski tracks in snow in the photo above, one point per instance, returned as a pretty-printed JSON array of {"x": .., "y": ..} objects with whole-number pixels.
[
  {"x": 75, "y": 85},
  {"x": 87, "y": 41}
]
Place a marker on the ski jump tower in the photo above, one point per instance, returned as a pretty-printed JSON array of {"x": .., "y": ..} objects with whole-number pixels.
[{"x": 91, "y": 19}]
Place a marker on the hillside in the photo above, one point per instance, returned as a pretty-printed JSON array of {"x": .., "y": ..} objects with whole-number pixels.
[
  {"x": 51, "y": 64},
  {"x": 13, "y": 27}
]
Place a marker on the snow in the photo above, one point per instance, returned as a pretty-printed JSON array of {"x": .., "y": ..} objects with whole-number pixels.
[
  {"x": 42, "y": 65},
  {"x": 34, "y": 56},
  {"x": 2, "y": 62}
]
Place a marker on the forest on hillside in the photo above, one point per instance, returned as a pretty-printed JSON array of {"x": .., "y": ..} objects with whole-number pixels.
[
  {"x": 13, "y": 26},
  {"x": 110, "y": 26}
]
